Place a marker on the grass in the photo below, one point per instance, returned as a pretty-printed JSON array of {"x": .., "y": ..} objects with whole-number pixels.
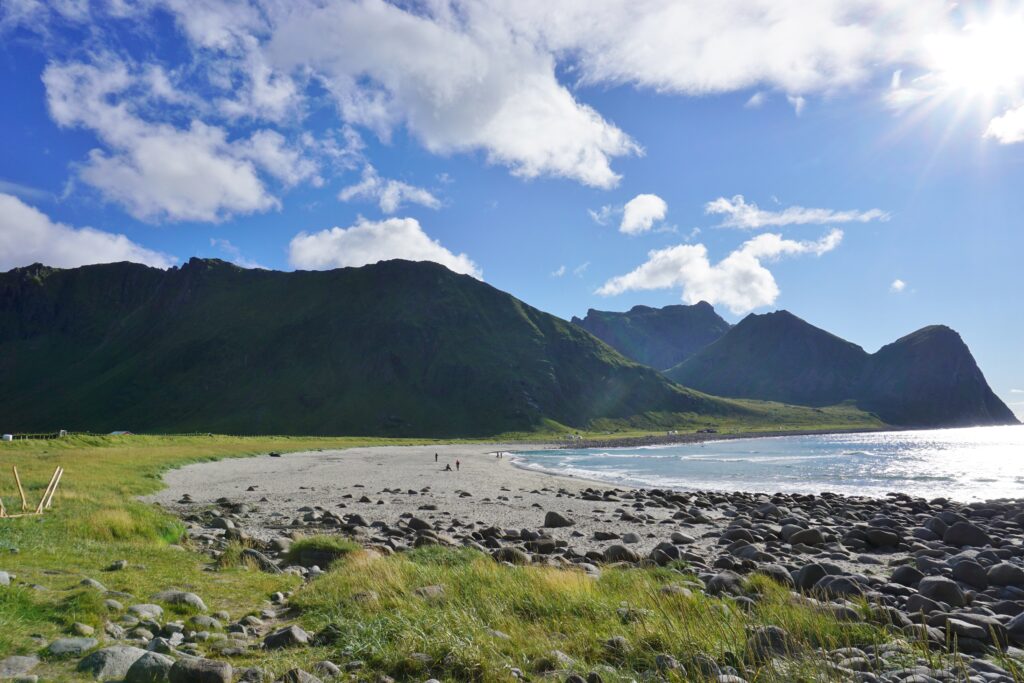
[
  {"x": 97, "y": 519},
  {"x": 334, "y": 546}
]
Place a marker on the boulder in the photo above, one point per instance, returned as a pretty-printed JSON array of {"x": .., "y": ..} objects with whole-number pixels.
[
  {"x": 555, "y": 520},
  {"x": 1006, "y": 574},
  {"x": 151, "y": 667},
  {"x": 15, "y": 666},
  {"x": 511, "y": 555},
  {"x": 289, "y": 636},
  {"x": 110, "y": 663},
  {"x": 620, "y": 553},
  {"x": 200, "y": 671},
  {"x": 965, "y": 533},
  {"x": 807, "y": 537},
  {"x": 906, "y": 575},
  {"x": 181, "y": 598},
  {"x": 71, "y": 647},
  {"x": 942, "y": 589},
  {"x": 298, "y": 676},
  {"x": 971, "y": 573},
  {"x": 767, "y": 642}
]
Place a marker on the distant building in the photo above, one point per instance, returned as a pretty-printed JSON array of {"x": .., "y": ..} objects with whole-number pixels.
[{"x": 7, "y": 437}]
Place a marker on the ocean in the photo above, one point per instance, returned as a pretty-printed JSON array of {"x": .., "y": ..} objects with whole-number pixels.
[{"x": 976, "y": 463}]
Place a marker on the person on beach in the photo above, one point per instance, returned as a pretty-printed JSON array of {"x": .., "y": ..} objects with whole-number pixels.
[
  {"x": 435, "y": 457},
  {"x": 448, "y": 467},
  {"x": 457, "y": 464}
]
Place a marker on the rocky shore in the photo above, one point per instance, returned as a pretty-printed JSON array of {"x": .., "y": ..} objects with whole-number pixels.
[
  {"x": 936, "y": 572},
  {"x": 940, "y": 571}
]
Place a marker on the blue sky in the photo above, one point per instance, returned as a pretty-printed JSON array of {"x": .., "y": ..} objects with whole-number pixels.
[{"x": 859, "y": 164}]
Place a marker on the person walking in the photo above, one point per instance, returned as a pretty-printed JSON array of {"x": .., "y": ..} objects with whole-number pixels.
[
  {"x": 457, "y": 463},
  {"x": 435, "y": 457}
]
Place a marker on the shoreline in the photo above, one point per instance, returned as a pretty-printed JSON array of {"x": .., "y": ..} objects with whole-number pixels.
[{"x": 694, "y": 437}]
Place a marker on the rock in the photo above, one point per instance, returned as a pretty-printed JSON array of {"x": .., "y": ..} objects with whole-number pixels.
[
  {"x": 147, "y": 611},
  {"x": 767, "y": 642},
  {"x": 151, "y": 667},
  {"x": 965, "y": 533},
  {"x": 620, "y": 553},
  {"x": 1006, "y": 574},
  {"x": 329, "y": 669},
  {"x": 430, "y": 592},
  {"x": 809, "y": 575},
  {"x": 181, "y": 598},
  {"x": 260, "y": 560},
  {"x": 117, "y": 566},
  {"x": 882, "y": 538},
  {"x": 5, "y": 579},
  {"x": 110, "y": 663},
  {"x": 94, "y": 584},
  {"x": 807, "y": 537},
  {"x": 942, "y": 589},
  {"x": 971, "y": 573},
  {"x": 290, "y": 636},
  {"x": 631, "y": 538},
  {"x": 81, "y": 629},
  {"x": 682, "y": 539},
  {"x": 906, "y": 575},
  {"x": 200, "y": 671},
  {"x": 725, "y": 583},
  {"x": 1015, "y": 630},
  {"x": 71, "y": 647},
  {"x": 511, "y": 555},
  {"x": 12, "y": 667},
  {"x": 555, "y": 520}
]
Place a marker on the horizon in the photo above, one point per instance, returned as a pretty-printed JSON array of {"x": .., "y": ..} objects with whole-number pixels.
[{"x": 859, "y": 168}]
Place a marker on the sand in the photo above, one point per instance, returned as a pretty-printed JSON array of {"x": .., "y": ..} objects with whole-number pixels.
[{"x": 500, "y": 494}]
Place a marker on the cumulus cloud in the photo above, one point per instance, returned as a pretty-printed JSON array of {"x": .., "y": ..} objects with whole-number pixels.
[
  {"x": 158, "y": 170},
  {"x": 1008, "y": 128},
  {"x": 742, "y": 214},
  {"x": 897, "y": 286},
  {"x": 27, "y": 236},
  {"x": 740, "y": 281},
  {"x": 373, "y": 241},
  {"x": 389, "y": 194},
  {"x": 641, "y": 213}
]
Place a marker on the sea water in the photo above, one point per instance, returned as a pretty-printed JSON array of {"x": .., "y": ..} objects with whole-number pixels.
[{"x": 960, "y": 464}]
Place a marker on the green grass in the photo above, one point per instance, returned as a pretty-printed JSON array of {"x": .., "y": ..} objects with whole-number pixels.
[
  {"x": 323, "y": 543},
  {"x": 97, "y": 519}
]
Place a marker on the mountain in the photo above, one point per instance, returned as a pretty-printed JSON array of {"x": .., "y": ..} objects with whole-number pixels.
[
  {"x": 396, "y": 348},
  {"x": 928, "y": 378},
  {"x": 659, "y": 337}
]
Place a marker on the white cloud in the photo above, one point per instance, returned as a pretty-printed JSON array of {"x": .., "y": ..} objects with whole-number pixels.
[
  {"x": 462, "y": 80},
  {"x": 157, "y": 170},
  {"x": 1008, "y": 128},
  {"x": 756, "y": 100},
  {"x": 390, "y": 194},
  {"x": 641, "y": 213},
  {"x": 558, "y": 272},
  {"x": 741, "y": 214},
  {"x": 798, "y": 102},
  {"x": 373, "y": 241},
  {"x": 897, "y": 286},
  {"x": 23, "y": 191},
  {"x": 579, "y": 270},
  {"x": 27, "y": 236},
  {"x": 603, "y": 215},
  {"x": 740, "y": 281}
]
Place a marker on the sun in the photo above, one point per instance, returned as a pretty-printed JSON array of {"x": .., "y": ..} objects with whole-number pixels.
[{"x": 984, "y": 59}]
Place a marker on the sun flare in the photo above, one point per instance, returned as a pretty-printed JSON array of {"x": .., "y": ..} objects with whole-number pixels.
[{"x": 986, "y": 58}]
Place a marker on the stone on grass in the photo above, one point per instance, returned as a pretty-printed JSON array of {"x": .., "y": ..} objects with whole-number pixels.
[
  {"x": 111, "y": 663},
  {"x": 298, "y": 676},
  {"x": 200, "y": 671},
  {"x": 290, "y": 636},
  {"x": 71, "y": 647},
  {"x": 151, "y": 667},
  {"x": 181, "y": 598},
  {"x": 15, "y": 666}
]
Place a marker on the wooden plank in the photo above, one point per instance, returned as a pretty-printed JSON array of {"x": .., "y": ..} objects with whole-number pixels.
[
  {"x": 24, "y": 503},
  {"x": 42, "y": 501},
  {"x": 56, "y": 483}
]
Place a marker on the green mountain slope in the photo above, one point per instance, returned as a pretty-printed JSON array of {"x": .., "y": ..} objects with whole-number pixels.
[
  {"x": 928, "y": 378},
  {"x": 658, "y": 337},
  {"x": 393, "y": 348}
]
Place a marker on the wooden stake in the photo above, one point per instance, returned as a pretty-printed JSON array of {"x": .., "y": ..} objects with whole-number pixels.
[
  {"x": 24, "y": 503},
  {"x": 42, "y": 501},
  {"x": 3, "y": 511},
  {"x": 55, "y": 485}
]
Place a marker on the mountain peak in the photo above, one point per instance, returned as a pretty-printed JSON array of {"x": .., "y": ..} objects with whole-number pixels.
[{"x": 658, "y": 337}]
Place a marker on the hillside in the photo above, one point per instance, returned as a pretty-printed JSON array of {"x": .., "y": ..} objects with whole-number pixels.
[
  {"x": 659, "y": 337},
  {"x": 928, "y": 378},
  {"x": 395, "y": 348}
]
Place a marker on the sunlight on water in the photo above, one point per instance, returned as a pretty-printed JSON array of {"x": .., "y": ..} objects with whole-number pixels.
[{"x": 962, "y": 464}]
